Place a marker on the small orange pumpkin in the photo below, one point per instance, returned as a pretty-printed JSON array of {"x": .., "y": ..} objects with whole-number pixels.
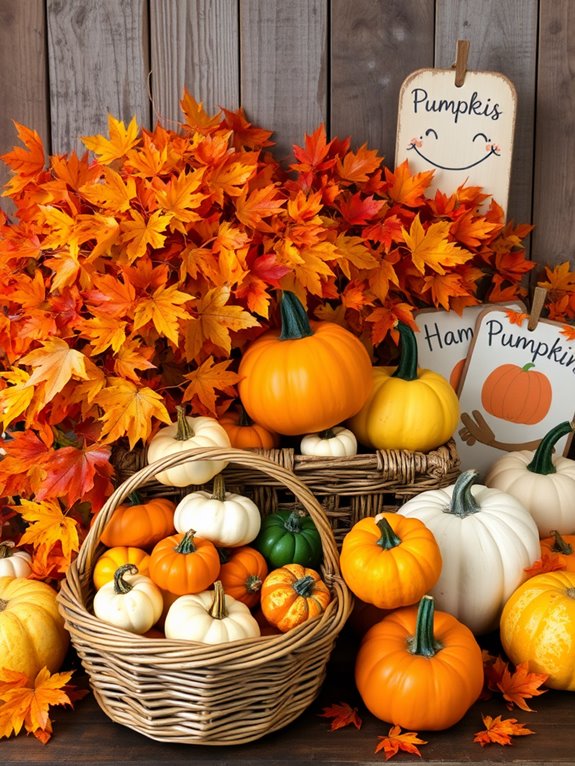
[
  {"x": 184, "y": 564},
  {"x": 245, "y": 434},
  {"x": 293, "y": 594},
  {"x": 140, "y": 524},
  {"x": 243, "y": 573},
  {"x": 517, "y": 394},
  {"x": 562, "y": 546},
  {"x": 112, "y": 559}
]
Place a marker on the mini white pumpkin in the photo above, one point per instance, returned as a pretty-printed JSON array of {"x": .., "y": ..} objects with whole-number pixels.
[
  {"x": 225, "y": 518},
  {"x": 334, "y": 442},
  {"x": 487, "y": 539},
  {"x": 211, "y": 617},
  {"x": 188, "y": 433},
  {"x": 543, "y": 482},
  {"x": 14, "y": 562},
  {"x": 134, "y": 605}
]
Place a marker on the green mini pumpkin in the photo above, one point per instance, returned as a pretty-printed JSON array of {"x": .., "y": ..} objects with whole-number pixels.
[{"x": 289, "y": 537}]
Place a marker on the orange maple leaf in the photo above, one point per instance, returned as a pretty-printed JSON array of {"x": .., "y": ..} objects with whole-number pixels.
[
  {"x": 471, "y": 230},
  {"x": 27, "y": 702},
  {"x": 568, "y": 332},
  {"x": 196, "y": 116},
  {"x": 54, "y": 363},
  {"x": 139, "y": 232},
  {"x": 129, "y": 411},
  {"x": 499, "y": 731},
  {"x": 47, "y": 525},
  {"x": 206, "y": 379},
  {"x": 520, "y": 685},
  {"x": 356, "y": 167},
  {"x": 71, "y": 473},
  {"x": 549, "y": 562},
  {"x": 180, "y": 198},
  {"x": 314, "y": 156},
  {"x": 343, "y": 715},
  {"x": 516, "y": 317},
  {"x": 405, "y": 188},
  {"x": 27, "y": 161},
  {"x": 396, "y": 741},
  {"x": 110, "y": 192},
  {"x": 164, "y": 310},
  {"x": 121, "y": 140},
  {"x": 443, "y": 287},
  {"x": 253, "y": 207}
]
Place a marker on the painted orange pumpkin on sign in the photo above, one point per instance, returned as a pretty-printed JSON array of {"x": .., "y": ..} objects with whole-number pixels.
[
  {"x": 456, "y": 372},
  {"x": 517, "y": 394}
]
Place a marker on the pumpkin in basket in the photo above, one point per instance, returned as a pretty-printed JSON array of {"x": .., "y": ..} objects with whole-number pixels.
[
  {"x": 14, "y": 562},
  {"x": 419, "y": 668},
  {"x": 245, "y": 434},
  {"x": 134, "y": 605},
  {"x": 306, "y": 377},
  {"x": 333, "y": 442},
  {"x": 183, "y": 563},
  {"x": 242, "y": 573},
  {"x": 32, "y": 632},
  {"x": 211, "y": 617},
  {"x": 390, "y": 561},
  {"x": 409, "y": 407},
  {"x": 543, "y": 482},
  {"x": 186, "y": 434},
  {"x": 293, "y": 594},
  {"x": 140, "y": 524},
  {"x": 225, "y": 518},
  {"x": 289, "y": 537},
  {"x": 113, "y": 558}
]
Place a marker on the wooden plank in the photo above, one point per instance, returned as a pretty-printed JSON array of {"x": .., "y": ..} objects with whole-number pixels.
[
  {"x": 194, "y": 44},
  {"x": 284, "y": 67},
  {"x": 375, "y": 46},
  {"x": 99, "y": 65},
  {"x": 503, "y": 38},
  {"x": 24, "y": 68},
  {"x": 554, "y": 187}
]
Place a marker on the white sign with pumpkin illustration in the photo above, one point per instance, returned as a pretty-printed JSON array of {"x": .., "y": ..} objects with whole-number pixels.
[
  {"x": 463, "y": 133},
  {"x": 517, "y": 385}
]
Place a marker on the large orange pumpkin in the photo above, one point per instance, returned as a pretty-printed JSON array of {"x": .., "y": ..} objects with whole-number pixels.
[
  {"x": 307, "y": 377},
  {"x": 419, "y": 668},
  {"x": 517, "y": 394}
]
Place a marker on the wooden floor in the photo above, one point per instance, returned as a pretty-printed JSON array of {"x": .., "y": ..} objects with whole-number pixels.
[{"x": 86, "y": 735}]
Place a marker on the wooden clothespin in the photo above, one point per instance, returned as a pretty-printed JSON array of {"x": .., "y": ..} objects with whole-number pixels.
[
  {"x": 539, "y": 295},
  {"x": 460, "y": 66}
]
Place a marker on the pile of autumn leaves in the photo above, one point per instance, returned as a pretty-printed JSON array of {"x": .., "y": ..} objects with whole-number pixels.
[{"x": 132, "y": 277}]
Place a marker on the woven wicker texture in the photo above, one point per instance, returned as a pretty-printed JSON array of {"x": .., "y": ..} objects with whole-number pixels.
[
  {"x": 179, "y": 691},
  {"x": 348, "y": 488}
]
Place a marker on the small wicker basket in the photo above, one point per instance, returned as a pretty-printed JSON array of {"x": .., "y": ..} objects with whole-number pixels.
[{"x": 193, "y": 693}]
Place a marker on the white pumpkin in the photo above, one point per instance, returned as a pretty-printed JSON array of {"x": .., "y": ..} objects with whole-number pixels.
[
  {"x": 335, "y": 442},
  {"x": 225, "y": 518},
  {"x": 543, "y": 482},
  {"x": 211, "y": 617},
  {"x": 134, "y": 604},
  {"x": 487, "y": 539},
  {"x": 14, "y": 562},
  {"x": 188, "y": 433}
]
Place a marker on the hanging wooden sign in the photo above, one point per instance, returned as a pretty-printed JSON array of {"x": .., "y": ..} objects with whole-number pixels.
[
  {"x": 517, "y": 384},
  {"x": 461, "y": 125}
]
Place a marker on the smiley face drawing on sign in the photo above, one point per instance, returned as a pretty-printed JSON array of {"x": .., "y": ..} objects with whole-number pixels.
[{"x": 464, "y": 134}]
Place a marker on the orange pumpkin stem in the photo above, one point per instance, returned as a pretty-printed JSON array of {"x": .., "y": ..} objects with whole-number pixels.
[
  {"x": 186, "y": 544},
  {"x": 218, "y": 608},
  {"x": 185, "y": 431},
  {"x": 121, "y": 585},
  {"x": 295, "y": 321},
  {"x": 423, "y": 642},
  {"x": 462, "y": 501},
  {"x": 388, "y": 539},
  {"x": 6, "y": 548},
  {"x": 560, "y": 545}
]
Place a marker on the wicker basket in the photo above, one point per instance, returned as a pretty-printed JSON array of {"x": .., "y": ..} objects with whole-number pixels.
[
  {"x": 348, "y": 488},
  {"x": 179, "y": 691}
]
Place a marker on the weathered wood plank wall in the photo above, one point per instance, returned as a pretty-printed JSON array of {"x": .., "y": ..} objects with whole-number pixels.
[{"x": 66, "y": 64}]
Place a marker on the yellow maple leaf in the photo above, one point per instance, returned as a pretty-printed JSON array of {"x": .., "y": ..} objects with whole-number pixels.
[
  {"x": 148, "y": 161},
  {"x": 132, "y": 356},
  {"x": 47, "y": 525},
  {"x": 231, "y": 175},
  {"x": 121, "y": 140},
  {"x": 104, "y": 332},
  {"x": 104, "y": 229},
  {"x": 61, "y": 231},
  {"x": 129, "y": 411},
  {"x": 111, "y": 192},
  {"x": 206, "y": 379},
  {"x": 214, "y": 321},
  {"x": 26, "y": 702},
  {"x": 54, "y": 363},
  {"x": 353, "y": 250},
  {"x": 140, "y": 232},
  {"x": 179, "y": 198},
  {"x": 163, "y": 308},
  {"x": 195, "y": 114},
  {"x": 431, "y": 247},
  {"x": 16, "y": 397},
  {"x": 444, "y": 287}
]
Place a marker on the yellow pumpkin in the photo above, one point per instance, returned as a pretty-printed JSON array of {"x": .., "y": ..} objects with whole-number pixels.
[
  {"x": 408, "y": 408},
  {"x": 32, "y": 632}
]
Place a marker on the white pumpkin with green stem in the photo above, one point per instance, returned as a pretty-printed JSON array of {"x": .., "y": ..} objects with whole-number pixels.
[
  {"x": 14, "y": 562},
  {"x": 185, "y": 434},
  {"x": 543, "y": 482},
  {"x": 135, "y": 605},
  {"x": 226, "y": 518},
  {"x": 487, "y": 539},
  {"x": 333, "y": 442},
  {"x": 212, "y": 617}
]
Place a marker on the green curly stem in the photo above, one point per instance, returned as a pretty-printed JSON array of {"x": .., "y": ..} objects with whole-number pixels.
[
  {"x": 462, "y": 501},
  {"x": 6, "y": 549},
  {"x": 184, "y": 429},
  {"x": 218, "y": 608},
  {"x": 407, "y": 367},
  {"x": 542, "y": 461},
  {"x": 388, "y": 537},
  {"x": 295, "y": 321},
  {"x": 304, "y": 586},
  {"x": 560, "y": 545},
  {"x": 186, "y": 544},
  {"x": 121, "y": 586},
  {"x": 424, "y": 642}
]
